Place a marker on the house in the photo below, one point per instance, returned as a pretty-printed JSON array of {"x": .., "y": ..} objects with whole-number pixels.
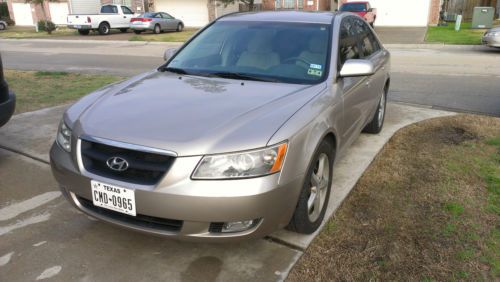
[
  {"x": 405, "y": 12},
  {"x": 26, "y": 14}
]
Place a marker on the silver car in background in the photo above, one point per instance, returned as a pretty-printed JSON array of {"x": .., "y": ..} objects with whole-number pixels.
[
  {"x": 155, "y": 22},
  {"x": 235, "y": 136},
  {"x": 491, "y": 37}
]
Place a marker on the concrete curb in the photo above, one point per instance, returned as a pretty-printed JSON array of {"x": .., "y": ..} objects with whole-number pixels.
[
  {"x": 91, "y": 41},
  {"x": 439, "y": 46}
]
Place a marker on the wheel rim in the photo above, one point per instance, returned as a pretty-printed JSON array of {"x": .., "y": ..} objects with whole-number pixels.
[
  {"x": 105, "y": 29},
  {"x": 2, "y": 27},
  {"x": 320, "y": 178},
  {"x": 157, "y": 29},
  {"x": 381, "y": 109}
]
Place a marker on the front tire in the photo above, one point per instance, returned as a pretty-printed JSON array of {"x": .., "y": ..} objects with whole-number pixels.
[
  {"x": 375, "y": 126},
  {"x": 180, "y": 27},
  {"x": 157, "y": 29},
  {"x": 104, "y": 29},
  {"x": 315, "y": 194}
]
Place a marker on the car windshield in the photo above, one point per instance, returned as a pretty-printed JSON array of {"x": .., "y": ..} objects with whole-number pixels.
[
  {"x": 353, "y": 7},
  {"x": 263, "y": 51}
]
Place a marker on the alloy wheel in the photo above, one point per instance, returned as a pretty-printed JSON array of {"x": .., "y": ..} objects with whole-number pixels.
[{"x": 319, "y": 187}]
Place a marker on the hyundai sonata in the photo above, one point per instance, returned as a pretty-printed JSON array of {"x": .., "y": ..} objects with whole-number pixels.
[{"x": 235, "y": 135}]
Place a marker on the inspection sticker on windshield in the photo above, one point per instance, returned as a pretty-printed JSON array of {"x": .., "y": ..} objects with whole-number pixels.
[
  {"x": 315, "y": 66},
  {"x": 314, "y": 72}
]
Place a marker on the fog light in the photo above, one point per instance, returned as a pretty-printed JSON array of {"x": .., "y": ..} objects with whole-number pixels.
[{"x": 238, "y": 226}]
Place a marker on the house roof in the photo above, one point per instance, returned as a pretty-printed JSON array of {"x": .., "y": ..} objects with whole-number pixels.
[{"x": 282, "y": 16}]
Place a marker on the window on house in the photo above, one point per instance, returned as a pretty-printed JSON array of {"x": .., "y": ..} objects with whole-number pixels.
[
  {"x": 277, "y": 4},
  {"x": 127, "y": 3},
  {"x": 300, "y": 4},
  {"x": 289, "y": 4}
]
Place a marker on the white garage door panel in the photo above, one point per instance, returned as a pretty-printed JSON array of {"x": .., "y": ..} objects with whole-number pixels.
[
  {"x": 192, "y": 12},
  {"x": 22, "y": 14},
  {"x": 59, "y": 12},
  {"x": 401, "y": 12},
  {"x": 85, "y": 6}
]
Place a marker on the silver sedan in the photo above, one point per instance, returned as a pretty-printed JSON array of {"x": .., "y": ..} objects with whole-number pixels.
[
  {"x": 156, "y": 22},
  {"x": 235, "y": 136},
  {"x": 492, "y": 37}
]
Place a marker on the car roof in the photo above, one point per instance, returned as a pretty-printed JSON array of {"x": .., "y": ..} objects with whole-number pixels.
[{"x": 282, "y": 16}]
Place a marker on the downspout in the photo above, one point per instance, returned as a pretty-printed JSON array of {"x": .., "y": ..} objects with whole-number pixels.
[{"x": 317, "y": 5}]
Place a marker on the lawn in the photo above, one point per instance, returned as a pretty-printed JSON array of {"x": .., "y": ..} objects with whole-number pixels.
[
  {"x": 37, "y": 90},
  {"x": 17, "y": 32},
  {"x": 448, "y": 35},
  {"x": 427, "y": 209},
  {"x": 165, "y": 37}
]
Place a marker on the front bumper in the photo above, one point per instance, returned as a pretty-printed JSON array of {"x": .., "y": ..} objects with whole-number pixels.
[
  {"x": 197, "y": 204},
  {"x": 492, "y": 41},
  {"x": 7, "y": 108}
]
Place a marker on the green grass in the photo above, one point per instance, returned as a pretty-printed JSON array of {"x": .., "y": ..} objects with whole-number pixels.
[
  {"x": 17, "y": 32},
  {"x": 454, "y": 208},
  {"x": 37, "y": 90},
  {"x": 448, "y": 35},
  {"x": 165, "y": 37}
]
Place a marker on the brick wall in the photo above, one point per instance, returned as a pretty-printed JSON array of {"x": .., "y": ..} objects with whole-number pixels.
[{"x": 434, "y": 12}]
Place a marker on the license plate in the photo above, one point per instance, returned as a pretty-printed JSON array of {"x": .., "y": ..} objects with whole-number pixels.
[{"x": 114, "y": 198}]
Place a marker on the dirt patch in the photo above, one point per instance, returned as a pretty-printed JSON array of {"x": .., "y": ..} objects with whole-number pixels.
[{"x": 427, "y": 209}]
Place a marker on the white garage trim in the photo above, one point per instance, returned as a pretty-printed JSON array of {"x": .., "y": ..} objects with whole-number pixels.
[
  {"x": 22, "y": 14},
  {"x": 401, "y": 12},
  {"x": 194, "y": 13},
  {"x": 59, "y": 12}
]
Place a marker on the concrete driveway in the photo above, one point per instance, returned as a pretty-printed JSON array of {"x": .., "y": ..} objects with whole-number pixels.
[
  {"x": 401, "y": 35},
  {"x": 42, "y": 236}
]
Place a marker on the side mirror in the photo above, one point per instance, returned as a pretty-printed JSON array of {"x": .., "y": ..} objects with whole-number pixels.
[
  {"x": 169, "y": 53},
  {"x": 356, "y": 67}
]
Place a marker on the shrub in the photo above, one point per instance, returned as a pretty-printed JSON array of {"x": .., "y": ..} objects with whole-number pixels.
[
  {"x": 47, "y": 26},
  {"x": 4, "y": 10}
]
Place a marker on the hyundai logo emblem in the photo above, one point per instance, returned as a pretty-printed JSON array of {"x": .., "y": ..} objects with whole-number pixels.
[{"x": 117, "y": 164}]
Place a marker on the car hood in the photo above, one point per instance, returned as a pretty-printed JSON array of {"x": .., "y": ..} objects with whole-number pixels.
[
  {"x": 495, "y": 29},
  {"x": 189, "y": 115}
]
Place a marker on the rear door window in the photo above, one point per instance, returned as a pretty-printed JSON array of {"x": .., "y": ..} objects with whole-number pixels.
[{"x": 127, "y": 11}]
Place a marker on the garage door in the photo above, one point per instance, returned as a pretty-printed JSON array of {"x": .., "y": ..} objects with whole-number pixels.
[
  {"x": 192, "y": 12},
  {"x": 22, "y": 14},
  {"x": 59, "y": 12},
  {"x": 85, "y": 6},
  {"x": 401, "y": 12}
]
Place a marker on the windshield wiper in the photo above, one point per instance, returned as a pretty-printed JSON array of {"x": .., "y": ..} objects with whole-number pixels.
[
  {"x": 235, "y": 75},
  {"x": 175, "y": 70}
]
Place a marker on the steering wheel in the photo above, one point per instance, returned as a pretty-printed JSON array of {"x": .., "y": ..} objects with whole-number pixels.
[{"x": 297, "y": 59}]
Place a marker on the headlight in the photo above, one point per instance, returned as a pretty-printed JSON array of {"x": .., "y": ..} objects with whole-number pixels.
[
  {"x": 64, "y": 137},
  {"x": 241, "y": 165}
]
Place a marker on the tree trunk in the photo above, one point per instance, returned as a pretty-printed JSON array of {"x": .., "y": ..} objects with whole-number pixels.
[{"x": 42, "y": 4}]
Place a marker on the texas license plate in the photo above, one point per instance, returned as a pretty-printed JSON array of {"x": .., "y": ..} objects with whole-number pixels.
[{"x": 114, "y": 198}]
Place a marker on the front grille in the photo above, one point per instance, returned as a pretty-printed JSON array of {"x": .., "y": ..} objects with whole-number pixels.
[
  {"x": 144, "y": 168},
  {"x": 216, "y": 227},
  {"x": 140, "y": 220}
]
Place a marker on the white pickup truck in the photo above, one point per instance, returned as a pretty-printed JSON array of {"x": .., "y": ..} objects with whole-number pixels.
[{"x": 110, "y": 16}]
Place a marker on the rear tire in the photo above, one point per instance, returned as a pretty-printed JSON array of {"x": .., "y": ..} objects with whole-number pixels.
[
  {"x": 123, "y": 30},
  {"x": 84, "y": 31},
  {"x": 157, "y": 29},
  {"x": 104, "y": 29},
  {"x": 315, "y": 194},
  {"x": 2, "y": 26},
  {"x": 137, "y": 31},
  {"x": 180, "y": 27},
  {"x": 375, "y": 126}
]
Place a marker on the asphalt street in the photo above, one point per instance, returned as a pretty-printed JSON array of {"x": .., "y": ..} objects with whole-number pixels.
[{"x": 459, "y": 79}]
